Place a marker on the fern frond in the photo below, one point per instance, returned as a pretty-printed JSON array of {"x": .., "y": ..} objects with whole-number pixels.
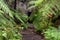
[{"x": 45, "y": 7}]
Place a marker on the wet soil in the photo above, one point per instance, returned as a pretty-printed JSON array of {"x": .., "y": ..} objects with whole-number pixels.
[{"x": 29, "y": 34}]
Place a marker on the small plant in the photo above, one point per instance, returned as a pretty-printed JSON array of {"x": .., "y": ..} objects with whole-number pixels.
[
  {"x": 52, "y": 34},
  {"x": 9, "y": 35}
]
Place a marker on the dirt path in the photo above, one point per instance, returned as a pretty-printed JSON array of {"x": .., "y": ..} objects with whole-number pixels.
[{"x": 29, "y": 34}]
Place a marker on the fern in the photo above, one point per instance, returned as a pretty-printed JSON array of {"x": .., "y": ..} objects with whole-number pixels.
[
  {"x": 9, "y": 28},
  {"x": 40, "y": 16},
  {"x": 52, "y": 34}
]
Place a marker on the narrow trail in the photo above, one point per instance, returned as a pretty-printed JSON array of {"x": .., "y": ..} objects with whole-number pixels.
[{"x": 29, "y": 34}]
